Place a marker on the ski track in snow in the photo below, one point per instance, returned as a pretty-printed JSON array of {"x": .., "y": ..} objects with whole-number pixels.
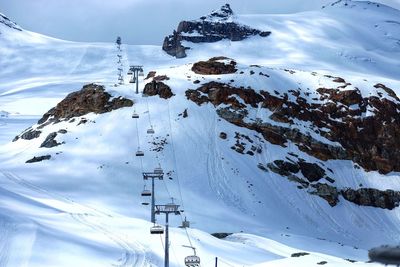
[{"x": 133, "y": 255}]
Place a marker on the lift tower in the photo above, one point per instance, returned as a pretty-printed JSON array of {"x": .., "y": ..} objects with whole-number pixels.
[
  {"x": 153, "y": 175},
  {"x": 137, "y": 71},
  {"x": 167, "y": 209}
]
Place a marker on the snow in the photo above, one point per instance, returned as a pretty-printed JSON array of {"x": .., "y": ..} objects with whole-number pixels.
[{"x": 85, "y": 201}]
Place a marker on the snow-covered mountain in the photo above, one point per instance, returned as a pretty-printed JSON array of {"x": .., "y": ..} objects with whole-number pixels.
[{"x": 280, "y": 129}]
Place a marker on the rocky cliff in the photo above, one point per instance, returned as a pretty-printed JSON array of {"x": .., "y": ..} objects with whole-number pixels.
[{"x": 217, "y": 26}]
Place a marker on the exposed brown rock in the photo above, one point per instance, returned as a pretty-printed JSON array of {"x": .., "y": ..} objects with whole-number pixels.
[
  {"x": 214, "y": 66},
  {"x": 208, "y": 29},
  {"x": 157, "y": 88},
  {"x": 311, "y": 171},
  {"x": 388, "y": 90},
  {"x": 371, "y": 141},
  {"x": 388, "y": 199},
  {"x": 92, "y": 98},
  {"x": 151, "y": 74}
]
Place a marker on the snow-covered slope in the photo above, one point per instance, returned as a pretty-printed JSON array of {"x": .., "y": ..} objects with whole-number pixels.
[{"x": 85, "y": 200}]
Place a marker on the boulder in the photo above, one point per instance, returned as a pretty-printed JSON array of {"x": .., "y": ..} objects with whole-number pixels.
[
  {"x": 157, "y": 88},
  {"x": 215, "y": 66}
]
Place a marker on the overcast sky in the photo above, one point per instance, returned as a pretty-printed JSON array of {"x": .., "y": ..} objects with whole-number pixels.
[{"x": 137, "y": 21}]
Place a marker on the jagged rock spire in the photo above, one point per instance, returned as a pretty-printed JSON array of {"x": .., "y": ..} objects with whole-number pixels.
[{"x": 224, "y": 13}]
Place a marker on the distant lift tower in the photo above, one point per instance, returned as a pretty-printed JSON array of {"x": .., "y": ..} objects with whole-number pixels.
[
  {"x": 167, "y": 209},
  {"x": 157, "y": 174},
  {"x": 136, "y": 71}
]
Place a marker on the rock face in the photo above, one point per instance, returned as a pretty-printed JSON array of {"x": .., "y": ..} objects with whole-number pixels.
[
  {"x": 38, "y": 159},
  {"x": 327, "y": 192},
  {"x": 388, "y": 199},
  {"x": 50, "y": 141},
  {"x": 215, "y": 66},
  {"x": 92, "y": 98},
  {"x": 157, "y": 88},
  {"x": 212, "y": 28},
  {"x": 369, "y": 140},
  {"x": 28, "y": 134}
]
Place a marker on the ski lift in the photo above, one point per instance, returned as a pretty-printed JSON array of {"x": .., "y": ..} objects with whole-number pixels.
[
  {"x": 192, "y": 260},
  {"x": 141, "y": 73},
  {"x": 156, "y": 230},
  {"x": 132, "y": 80},
  {"x": 146, "y": 192},
  {"x": 130, "y": 72},
  {"x": 145, "y": 203},
  {"x": 185, "y": 224},
  {"x": 139, "y": 153},
  {"x": 150, "y": 130},
  {"x": 135, "y": 115},
  {"x": 158, "y": 170}
]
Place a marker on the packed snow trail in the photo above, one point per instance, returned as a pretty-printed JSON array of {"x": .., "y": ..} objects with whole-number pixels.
[{"x": 133, "y": 255}]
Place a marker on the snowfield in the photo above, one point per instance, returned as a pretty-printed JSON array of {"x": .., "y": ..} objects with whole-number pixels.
[{"x": 83, "y": 206}]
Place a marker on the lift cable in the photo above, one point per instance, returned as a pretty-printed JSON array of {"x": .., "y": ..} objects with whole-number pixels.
[{"x": 177, "y": 173}]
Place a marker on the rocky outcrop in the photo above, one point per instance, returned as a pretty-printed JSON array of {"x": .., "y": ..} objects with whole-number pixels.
[
  {"x": 388, "y": 199},
  {"x": 369, "y": 140},
  {"x": 327, "y": 192},
  {"x": 312, "y": 171},
  {"x": 50, "y": 141},
  {"x": 217, "y": 26},
  {"x": 215, "y": 66},
  {"x": 157, "y": 88},
  {"x": 28, "y": 134},
  {"x": 38, "y": 159},
  {"x": 92, "y": 98}
]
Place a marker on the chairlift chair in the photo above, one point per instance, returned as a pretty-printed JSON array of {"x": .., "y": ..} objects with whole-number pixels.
[
  {"x": 139, "y": 153},
  {"x": 157, "y": 230},
  {"x": 135, "y": 115},
  {"x": 132, "y": 80},
  {"x": 192, "y": 261},
  {"x": 146, "y": 192},
  {"x": 130, "y": 72},
  {"x": 158, "y": 170},
  {"x": 185, "y": 224},
  {"x": 145, "y": 203},
  {"x": 150, "y": 131},
  {"x": 141, "y": 73}
]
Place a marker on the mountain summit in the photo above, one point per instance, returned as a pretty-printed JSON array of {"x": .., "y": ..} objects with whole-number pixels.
[
  {"x": 214, "y": 27},
  {"x": 223, "y": 14}
]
